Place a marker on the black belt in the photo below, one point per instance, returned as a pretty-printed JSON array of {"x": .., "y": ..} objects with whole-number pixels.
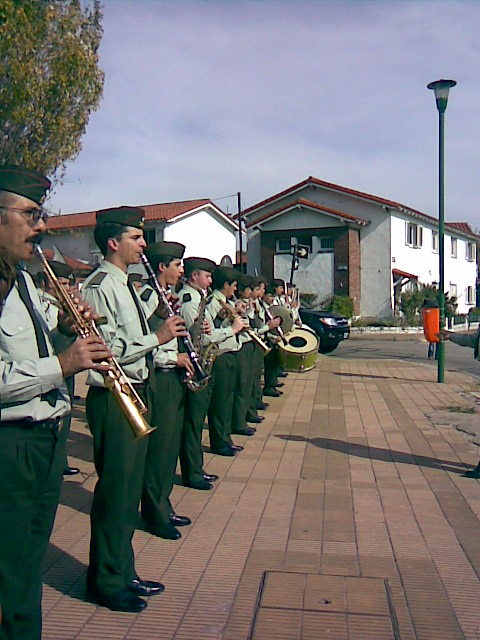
[
  {"x": 140, "y": 386},
  {"x": 53, "y": 424},
  {"x": 166, "y": 370}
]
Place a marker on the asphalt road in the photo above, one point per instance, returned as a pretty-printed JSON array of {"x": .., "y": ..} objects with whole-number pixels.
[{"x": 456, "y": 358}]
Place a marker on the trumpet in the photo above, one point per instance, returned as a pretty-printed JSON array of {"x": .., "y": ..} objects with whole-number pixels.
[
  {"x": 231, "y": 314},
  {"x": 201, "y": 377},
  {"x": 115, "y": 379}
]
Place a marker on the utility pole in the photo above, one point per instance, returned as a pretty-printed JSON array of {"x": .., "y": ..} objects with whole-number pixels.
[{"x": 240, "y": 227}]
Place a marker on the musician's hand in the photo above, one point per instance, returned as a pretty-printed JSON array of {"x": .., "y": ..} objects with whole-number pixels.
[
  {"x": 174, "y": 301},
  {"x": 238, "y": 325},
  {"x": 184, "y": 361},
  {"x": 173, "y": 327},
  {"x": 85, "y": 353},
  {"x": 443, "y": 335},
  {"x": 206, "y": 327},
  {"x": 274, "y": 323},
  {"x": 240, "y": 306},
  {"x": 66, "y": 324}
]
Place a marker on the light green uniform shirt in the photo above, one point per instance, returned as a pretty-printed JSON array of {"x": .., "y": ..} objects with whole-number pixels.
[
  {"x": 190, "y": 300},
  {"x": 229, "y": 343},
  {"x": 24, "y": 376},
  {"x": 107, "y": 292}
]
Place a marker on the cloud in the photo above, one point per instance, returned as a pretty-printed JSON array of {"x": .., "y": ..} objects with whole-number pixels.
[{"x": 204, "y": 99}]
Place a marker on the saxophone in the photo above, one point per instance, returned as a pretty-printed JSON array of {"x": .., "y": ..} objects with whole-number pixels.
[
  {"x": 206, "y": 353},
  {"x": 115, "y": 379},
  {"x": 231, "y": 314}
]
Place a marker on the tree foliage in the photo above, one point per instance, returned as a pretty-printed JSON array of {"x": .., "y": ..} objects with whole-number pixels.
[
  {"x": 412, "y": 301},
  {"x": 50, "y": 80}
]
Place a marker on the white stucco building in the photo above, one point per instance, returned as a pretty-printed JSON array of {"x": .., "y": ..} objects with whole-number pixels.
[
  {"x": 361, "y": 245},
  {"x": 200, "y": 225}
]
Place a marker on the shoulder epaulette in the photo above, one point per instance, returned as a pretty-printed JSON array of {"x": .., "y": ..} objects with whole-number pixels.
[
  {"x": 96, "y": 279},
  {"x": 145, "y": 296},
  {"x": 186, "y": 298}
]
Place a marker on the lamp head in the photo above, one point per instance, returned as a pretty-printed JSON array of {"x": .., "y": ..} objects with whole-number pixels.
[{"x": 441, "y": 89}]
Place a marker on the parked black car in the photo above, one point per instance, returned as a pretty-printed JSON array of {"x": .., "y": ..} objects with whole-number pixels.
[{"x": 331, "y": 328}]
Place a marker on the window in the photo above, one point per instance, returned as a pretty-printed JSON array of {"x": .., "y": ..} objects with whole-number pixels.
[
  {"x": 284, "y": 245},
  {"x": 454, "y": 248},
  {"x": 150, "y": 235},
  {"x": 470, "y": 295},
  {"x": 470, "y": 251},
  {"x": 435, "y": 241},
  {"x": 414, "y": 235},
  {"x": 326, "y": 243},
  {"x": 453, "y": 289}
]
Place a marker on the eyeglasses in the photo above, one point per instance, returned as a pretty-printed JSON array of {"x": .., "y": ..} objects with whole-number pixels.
[{"x": 33, "y": 215}]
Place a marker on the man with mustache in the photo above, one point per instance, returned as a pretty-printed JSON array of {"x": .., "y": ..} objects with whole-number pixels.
[{"x": 34, "y": 401}]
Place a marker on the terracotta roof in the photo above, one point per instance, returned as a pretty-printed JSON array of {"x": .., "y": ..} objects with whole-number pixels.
[
  {"x": 462, "y": 226},
  {"x": 359, "y": 194},
  {"x": 167, "y": 211},
  {"x": 311, "y": 205},
  {"x": 73, "y": 263}
]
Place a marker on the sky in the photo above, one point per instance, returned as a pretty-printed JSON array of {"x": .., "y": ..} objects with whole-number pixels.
[{"x": 204, "y": 99}]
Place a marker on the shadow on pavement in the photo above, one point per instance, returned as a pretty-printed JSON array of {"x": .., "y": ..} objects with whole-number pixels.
[{"x": 376, "y": 453}]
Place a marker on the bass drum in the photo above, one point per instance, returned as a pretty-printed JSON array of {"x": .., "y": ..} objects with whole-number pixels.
[{"x": 300, "y": 352}]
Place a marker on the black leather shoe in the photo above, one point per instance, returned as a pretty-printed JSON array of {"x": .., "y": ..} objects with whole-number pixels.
[
  {"x": 256, "y": 419},
  {"x": 179, "y": 521},
  {"x": 236, "y": 448},
  {"x": 226, "y": 451},
  {"x": 201, "y": 485},
  {"x": 248, "y": 431},
  {"x": 261, "y": 406},
  {"x": 145, "y": 587},
  {"x": 278, "y": 385},
  {"x": 272, "y": 393},
  {"x": 282, "y": 374},
  {"x": 210, "y": 477},
  {"x": 71, "y": 471},
  {"x": 168, "y": 532},
  {"x": 122, "y": 600}
]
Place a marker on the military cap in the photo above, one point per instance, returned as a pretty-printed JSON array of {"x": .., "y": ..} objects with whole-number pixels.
[
  {"x": 258, "y": 280},
  {"x": 200, "y": 264},
  {"x": 245, "y": 281},
  {"x": 276, "y": 282},
  {"x": 228, "y": 273},
  {"x": 24, "y": 182},
  {"x": 171, "y": 250},
  {"x": 127, "y": 216},
  {"x": 60, "y": 269}
]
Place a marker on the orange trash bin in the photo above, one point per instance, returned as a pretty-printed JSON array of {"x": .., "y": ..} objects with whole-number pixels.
[{"x": 431, "y": 323}]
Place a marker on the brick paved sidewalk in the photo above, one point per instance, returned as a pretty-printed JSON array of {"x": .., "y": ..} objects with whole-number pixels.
[{"x": 346, "y": 516}]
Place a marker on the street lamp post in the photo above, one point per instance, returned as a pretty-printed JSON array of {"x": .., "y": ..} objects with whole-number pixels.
[{"x": 441, "y": 89}]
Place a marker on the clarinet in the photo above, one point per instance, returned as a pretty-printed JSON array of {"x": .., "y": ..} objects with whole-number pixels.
[{"x": 201, "y": 376}]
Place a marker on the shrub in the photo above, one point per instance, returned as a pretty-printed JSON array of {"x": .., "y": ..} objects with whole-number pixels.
[{"x": 339, "y": 304}]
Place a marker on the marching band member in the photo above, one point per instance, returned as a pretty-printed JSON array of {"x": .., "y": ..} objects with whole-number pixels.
[
  {"x": 34, "y": 400},
  {"x": 220, "y": 412},
  {"x": 168, "y": 406},
  {"x": 119, "y": 459},
  {"x": 198, "y": 272}
]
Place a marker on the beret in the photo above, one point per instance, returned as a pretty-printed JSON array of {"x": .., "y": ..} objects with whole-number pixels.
[
  {"x": 202, "y": 264},
  {"x": 170, "y": 249},
  {"x": 229, "y": 273},
  {"x": 127, "y": 216},
  {"x": 60, "y": 269},
  {"x": 24, "y": 182}
]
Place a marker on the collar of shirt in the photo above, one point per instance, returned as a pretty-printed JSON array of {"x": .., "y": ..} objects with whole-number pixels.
[
  {"x": 220, "y": 296},
  {"x": 114, "y": 271}
]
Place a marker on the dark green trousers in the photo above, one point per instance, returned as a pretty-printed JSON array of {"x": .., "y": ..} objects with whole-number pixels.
[
  {"x": 220, "y": 409},
  {"x": 244, "y": 377},
  {"x": 31, "y": 466},
  {"x": 191, "y": 452},
  {"x": 119, "y": 461},
  {"x": 272, "y": 369},
  {"x": 163, "y": 447},
  {"x": 257, "y": 366}
]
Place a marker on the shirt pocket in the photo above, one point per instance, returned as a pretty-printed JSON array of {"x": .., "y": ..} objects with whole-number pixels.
[{"x": 17, "y": 337}]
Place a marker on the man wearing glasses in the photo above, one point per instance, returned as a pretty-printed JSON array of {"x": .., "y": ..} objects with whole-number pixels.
[{"x": 33, "y": 400}]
